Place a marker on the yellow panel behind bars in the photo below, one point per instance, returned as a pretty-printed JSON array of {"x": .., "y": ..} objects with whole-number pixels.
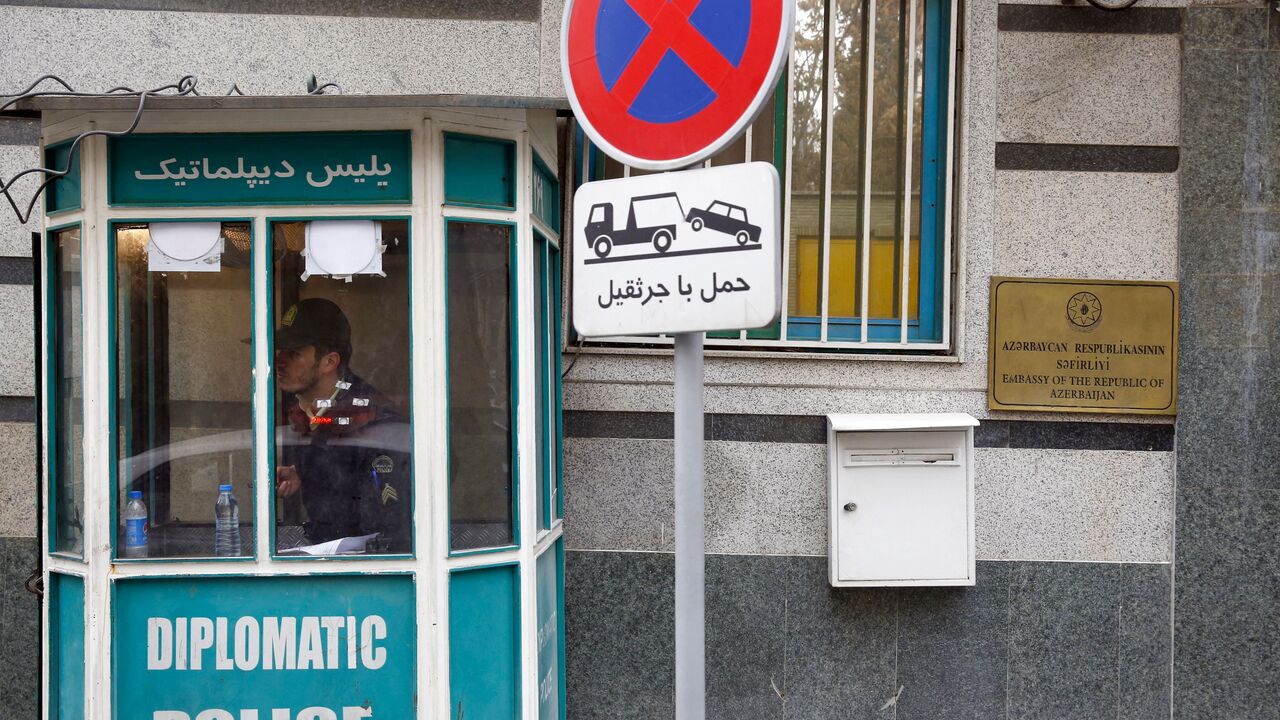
[{"x": 806, "y": 279}]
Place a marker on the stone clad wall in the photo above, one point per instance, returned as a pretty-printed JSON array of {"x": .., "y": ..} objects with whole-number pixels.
[
  {"x": 1069, "y": 150},
  {"x": 19, "y": 610},
  {"x": 1227, "y": 648}
]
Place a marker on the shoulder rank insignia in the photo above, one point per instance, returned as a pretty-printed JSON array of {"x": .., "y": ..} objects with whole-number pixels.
[{"x": 389, "y": 494}]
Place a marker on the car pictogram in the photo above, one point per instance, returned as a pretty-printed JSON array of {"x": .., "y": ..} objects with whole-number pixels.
[{"x": 725, "y": 218}]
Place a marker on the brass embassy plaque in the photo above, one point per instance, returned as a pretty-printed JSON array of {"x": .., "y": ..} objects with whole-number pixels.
[{"x": 1103, "y": 346}]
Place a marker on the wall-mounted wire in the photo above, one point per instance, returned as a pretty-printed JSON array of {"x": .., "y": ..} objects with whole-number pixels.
[
  {"x": 184, "y": 87},
  {"x": 314, "y": 87}
]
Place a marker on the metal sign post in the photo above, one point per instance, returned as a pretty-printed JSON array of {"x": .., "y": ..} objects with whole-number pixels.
[
  {"x": 691, "y": 690},
  {"x": 664, "y": 85},
  {"x": 681, "y": 253}
]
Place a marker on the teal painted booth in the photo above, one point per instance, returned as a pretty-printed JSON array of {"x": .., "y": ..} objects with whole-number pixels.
[{"x": 301, "y": 422}]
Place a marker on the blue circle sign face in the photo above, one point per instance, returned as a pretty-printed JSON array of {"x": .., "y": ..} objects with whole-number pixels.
[{"x": 662, "y": 84}]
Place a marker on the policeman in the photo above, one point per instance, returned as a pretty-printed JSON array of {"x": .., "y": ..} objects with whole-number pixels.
[{"x": 346, "y": 451}]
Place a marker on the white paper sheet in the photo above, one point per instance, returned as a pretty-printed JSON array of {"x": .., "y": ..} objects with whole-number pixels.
[{"x": 341, "y": 546}]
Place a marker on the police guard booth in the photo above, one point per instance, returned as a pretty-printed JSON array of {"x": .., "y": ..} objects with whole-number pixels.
[{"x": 348, "y": 322}]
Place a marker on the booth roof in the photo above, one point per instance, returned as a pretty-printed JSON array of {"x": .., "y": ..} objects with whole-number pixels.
[{"x": 33, "y": 106}]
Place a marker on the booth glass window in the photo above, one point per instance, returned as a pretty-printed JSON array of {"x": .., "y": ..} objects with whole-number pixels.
[
  {"x": 183, "y": 322},
  {"x": 343, "y": 452},
  {"x": 547, "y": 354},
  {"x": 67, "y": 371},
  {"x": 481, "y": 373}
]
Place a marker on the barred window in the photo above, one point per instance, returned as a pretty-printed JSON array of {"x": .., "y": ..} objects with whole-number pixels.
[{"x": 860, "y": 128}]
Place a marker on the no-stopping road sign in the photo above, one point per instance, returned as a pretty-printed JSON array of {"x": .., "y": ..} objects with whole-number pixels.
[
  {"x": 662, "y": 84},
  {"x": 677, "y": 252}
]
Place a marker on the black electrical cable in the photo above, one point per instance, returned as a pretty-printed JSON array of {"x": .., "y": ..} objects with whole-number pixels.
[
  {"x": 1111, "y": 5},
  {"x": 574, "y": 361},
  {"x": 185, "y": 86}
]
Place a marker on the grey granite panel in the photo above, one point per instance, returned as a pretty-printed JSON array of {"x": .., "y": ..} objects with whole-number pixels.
[
  {"x": 1060, "y": 505},
  {"x": 1066, "y": 435},
  {"x": 19, "y": 483},
  {"x": 1212, "y": 444},
  {"x": 17, "y": 363},
  {"x": 811, "y": 429},
  {"x": 1274, "y": 28},
  {"x": 1063, "y": 641},
  {"x": 1227, "y": 403},
  {"x": 1090, "y": 89},
  {"x": 746, "y": 636},
  {"x": 16, "y": 271},
  {"x": 1226, "y": 311},
  {"x": 619, "y": 636},
  {"x": 423, "y": 9},
  {"x": 992, "y": 433},
  {"x": 17, "y": 131},
  {"x": 1227, "y": 605},
  {"x": 1044, "y": 233},
  {"x": 1223, "y": 96},
  {"x": 19, "y": 631},
  {"x": 551, "y": 81},
  {"x": 762, "y": 498},
  {"x": 1225, "y": 28},
  {"x": 267, "y": 54},
  {"x": 613, "y": 424},
  {"x": 1227, "y": 241},
  {"x": 15, "y": 238},
  {"x": 1085, "y": 3},
  {"x": 952, "y": 650},
  {"x": 717, "y": 426},
  {"x": 618, "y": 494},
  {"x": 1073, "y": 435},
  {"x": 619, "y": 643},
  {"x": 1146, "y": 638},
  {"x": 1263, "y": 145},
  {"x": 1088, "y": 19},
  {"x": 17, "y": 409},
  {"x": 840, "y": 648},
  {"x": 1086, "y": 158},
  {"x": 1030, "y": 640},
  {"x": 766, "y": 498},
  {"x": 767, "y": 428}
]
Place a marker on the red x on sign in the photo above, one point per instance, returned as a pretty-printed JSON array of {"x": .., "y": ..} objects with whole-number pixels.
[
  {"x": 669, "y": 30},
  {"x": 661, "y": 84}
]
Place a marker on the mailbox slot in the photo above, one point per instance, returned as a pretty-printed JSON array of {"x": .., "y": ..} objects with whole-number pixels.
[
  {"x": 901, "y": 500},
  {"x": 899, "y": 456}
]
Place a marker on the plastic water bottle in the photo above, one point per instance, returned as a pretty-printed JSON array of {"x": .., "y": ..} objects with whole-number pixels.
[
  {"x": 226, "y": 520},
  {"x": 135, "y": 526}
]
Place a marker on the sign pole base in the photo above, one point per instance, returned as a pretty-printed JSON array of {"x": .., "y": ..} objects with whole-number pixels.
[{"x": 690, "y": 556}]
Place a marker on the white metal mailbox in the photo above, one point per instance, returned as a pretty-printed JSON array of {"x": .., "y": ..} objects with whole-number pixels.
[{"x": 901, "y": 499}]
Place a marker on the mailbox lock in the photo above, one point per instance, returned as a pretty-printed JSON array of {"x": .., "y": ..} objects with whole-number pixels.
[{"x": 850, "y": 506}]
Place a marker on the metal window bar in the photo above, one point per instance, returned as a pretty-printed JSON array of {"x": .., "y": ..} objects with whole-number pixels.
[
  {"x": 824, "y": 201},
  {"x": 785, "y": 139},
  {"x": 908, "y": 98},
  {"x": 949, "y": 154},
  {"x": 868, "y": 113}
]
